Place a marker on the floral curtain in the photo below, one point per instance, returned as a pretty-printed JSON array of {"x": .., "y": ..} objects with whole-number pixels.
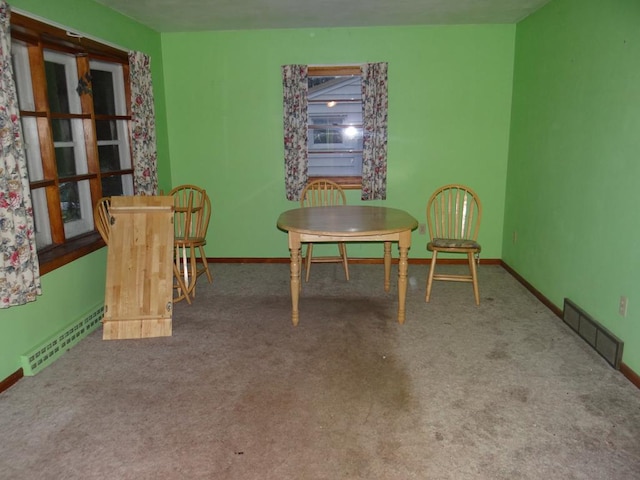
[
  {"x": 374, "y": 117},
  {"x": 143, "y": 126},
  {"x": 294, "y": 85},
  {"x": 19, "y": 267}
]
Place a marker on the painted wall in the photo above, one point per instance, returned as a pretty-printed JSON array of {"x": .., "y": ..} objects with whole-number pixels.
[
  {"x": 69, "y": 292},
  {"x": 449, "y": 116},
  {"x": 573, "y": 173}
]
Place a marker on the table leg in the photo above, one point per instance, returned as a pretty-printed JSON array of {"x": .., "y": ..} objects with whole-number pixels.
[
  {"x": 387, "y": 266},
  {"x": 294, "y": 248},
  {"x": 403, "y": 263}
]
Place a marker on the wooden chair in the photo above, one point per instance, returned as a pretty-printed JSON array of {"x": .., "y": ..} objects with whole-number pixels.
[
  {"x": 454, "y": 213},
  {"x": 102, "y": 218},
  {"x": 192, "y": 212},
  {"x": 322, "y": 193}
]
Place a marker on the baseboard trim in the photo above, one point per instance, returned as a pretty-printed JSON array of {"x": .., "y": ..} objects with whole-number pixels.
[
  {"x": 632, "y": 376},
  {"x": 625, "y": 370},
  {"x": 11, "y": 380},
  {"x": 356, "y": 261},
  {"x": 536, "y": 293}
]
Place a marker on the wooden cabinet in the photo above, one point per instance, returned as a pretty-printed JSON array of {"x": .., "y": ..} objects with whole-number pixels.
[{"x": 139, "y": 286}]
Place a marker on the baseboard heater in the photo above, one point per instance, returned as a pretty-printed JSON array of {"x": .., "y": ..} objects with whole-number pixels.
[
  {"x": 602, "y": 340},
  {"x": 47, "y": 352}
]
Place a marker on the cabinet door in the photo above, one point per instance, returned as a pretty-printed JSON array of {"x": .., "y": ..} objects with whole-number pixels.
[{"x": 139, "y": 286}]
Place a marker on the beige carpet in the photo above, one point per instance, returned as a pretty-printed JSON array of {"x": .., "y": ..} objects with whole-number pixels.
[{"x": 500, "y": 391}]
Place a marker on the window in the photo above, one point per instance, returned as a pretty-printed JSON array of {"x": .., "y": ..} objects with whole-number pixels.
[
  {"x": 72, "y": 94},
  {"x": 334, "y": 108}
]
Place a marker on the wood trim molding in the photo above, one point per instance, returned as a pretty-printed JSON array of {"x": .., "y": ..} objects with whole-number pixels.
[
  {"x": 550, "y": 305},
  {"x": 11, "y": 380},
  {"x": 632, "y": 376},
  {"x": 356, "y": 261}
]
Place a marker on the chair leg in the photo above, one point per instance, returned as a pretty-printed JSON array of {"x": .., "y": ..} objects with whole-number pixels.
[
  {"x": 179, "y": 286},
  {"x": 308, "y": 260},
  {"x": 432, "y": 270},
  {"x": 203, "y": 257},
  {"x": 345, "y": 261},
  {"x": 474, "y": 277},
  {"x": 193, "y": 271}
]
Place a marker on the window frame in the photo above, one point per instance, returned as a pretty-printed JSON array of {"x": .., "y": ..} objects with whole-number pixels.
[
  {"x": 353, "y": 182},
  {"x": 38, "y": 38}
]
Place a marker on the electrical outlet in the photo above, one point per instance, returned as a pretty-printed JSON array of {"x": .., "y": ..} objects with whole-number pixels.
[
  {"x": 622, "y": 307},
  {"x": 422, "y": 229}
]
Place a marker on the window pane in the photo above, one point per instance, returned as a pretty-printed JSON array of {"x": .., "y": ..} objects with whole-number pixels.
[
  {"x": 346, "y": 137},
  {"x": 335, "y": 165},
  {"x": 41, "y": 217},
  {"x": 335, "y": 88},
  {"x": 22, "y": 72},
  {"x": 65, "y": 162},
  {"x": 70, "y": 201},
  {"x": 117, "y": 185},
  {"x": 32, "y": 149},
  {"x": 75, "y": 202},
  {"x": 103, "y": 95},
  {"x": 109, "y": 158},
  {"x": 57, "y": 87},
  {"x": 335, "y": 126},
  {"x": 106, "y": 130},
  {"x": 61, "y": 130}
]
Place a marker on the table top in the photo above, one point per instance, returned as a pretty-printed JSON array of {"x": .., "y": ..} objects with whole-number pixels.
[{"x": 346, "y": 220}]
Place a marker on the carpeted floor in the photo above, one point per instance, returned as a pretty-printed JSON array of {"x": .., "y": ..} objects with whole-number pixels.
[{"x": 500, "y": 391}]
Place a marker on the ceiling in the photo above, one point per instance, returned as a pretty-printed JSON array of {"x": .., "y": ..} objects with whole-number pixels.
[{"x": 199, "y": 15}]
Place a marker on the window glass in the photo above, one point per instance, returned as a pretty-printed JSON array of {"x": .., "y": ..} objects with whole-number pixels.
[
  {"x": 334, "y": 125},
  {"x": 104, "y": 102},
  {"x": 41, "y": 217},
  {"x": 75, "y": 204},
  {"x": 57, "y": 87},
  {"x": 118, "y": 185}
]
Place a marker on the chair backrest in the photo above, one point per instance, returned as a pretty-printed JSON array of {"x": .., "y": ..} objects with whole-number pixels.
[
  {"x": 322, "y": 193},
  {"x": 454, "y": 211},
  {"x": 192, "y": 211},
  {"x": 102, "y": 218}
]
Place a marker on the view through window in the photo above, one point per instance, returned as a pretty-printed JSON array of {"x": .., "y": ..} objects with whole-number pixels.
[{"x": 335, "y": 124}]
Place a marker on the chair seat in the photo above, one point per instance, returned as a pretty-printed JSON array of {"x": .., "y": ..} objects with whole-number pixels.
[
  {"x": 193, "y": 241},
  {"x": 453, "y": 243}
]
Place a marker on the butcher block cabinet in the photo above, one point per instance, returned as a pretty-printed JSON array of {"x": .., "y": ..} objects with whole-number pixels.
[{"x": 139, "y": 284}]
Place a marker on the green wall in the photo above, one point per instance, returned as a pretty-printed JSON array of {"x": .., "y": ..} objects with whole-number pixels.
[
  {"x": 69, "y": 292},
  {"x": 449, "y": 115},
  {"x": 573, "y": 163}
]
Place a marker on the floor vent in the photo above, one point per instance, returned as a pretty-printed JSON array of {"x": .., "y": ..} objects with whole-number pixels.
[
  {"x": 602, "y": 340},
  {"x": 51, "y": 349}
]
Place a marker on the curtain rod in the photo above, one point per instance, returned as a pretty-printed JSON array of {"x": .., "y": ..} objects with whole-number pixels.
[{"x": 70, "y": 31}]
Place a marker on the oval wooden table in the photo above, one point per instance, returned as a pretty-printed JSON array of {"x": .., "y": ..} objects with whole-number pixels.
[{"x": 349, "y": 223}]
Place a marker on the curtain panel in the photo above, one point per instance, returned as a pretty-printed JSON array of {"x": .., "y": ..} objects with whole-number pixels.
[
  {"x": 19, "y": 267},
  {"x": 375, "y": 102},
  {"x": 296, "y": 160},
  {"x": 143, "y": 126}
]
